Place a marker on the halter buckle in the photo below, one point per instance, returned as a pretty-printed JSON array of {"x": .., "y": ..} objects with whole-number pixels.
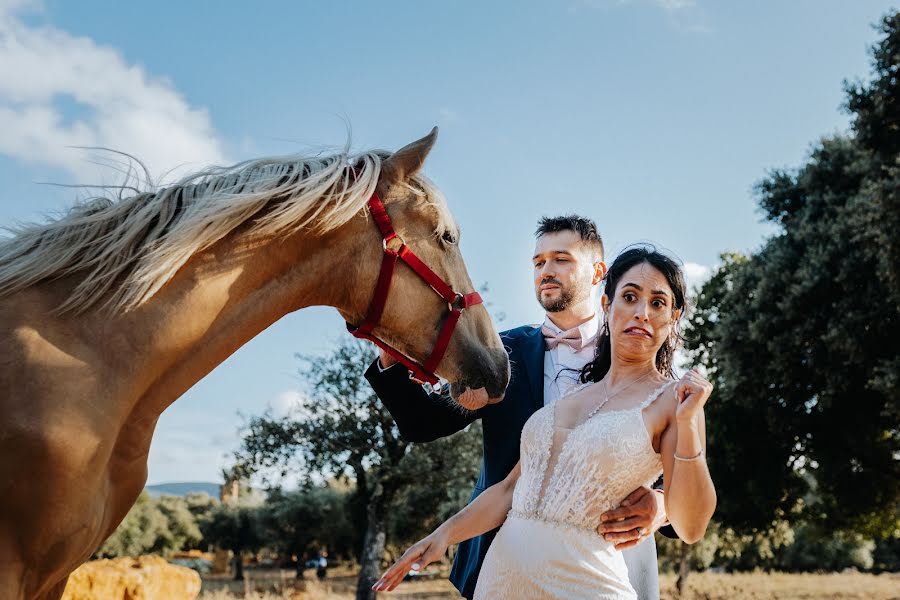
[
  {"x": 459, "y": 300},
  {"x": 429, "y": 387},
  {"x": 391, "y": 238}
]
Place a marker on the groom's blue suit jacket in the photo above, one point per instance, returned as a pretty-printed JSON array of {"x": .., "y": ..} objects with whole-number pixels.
[{"x": 424, "y": 417}]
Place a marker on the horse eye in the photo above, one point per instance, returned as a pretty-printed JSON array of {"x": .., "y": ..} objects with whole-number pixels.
[{"x": 449, "y": 238}]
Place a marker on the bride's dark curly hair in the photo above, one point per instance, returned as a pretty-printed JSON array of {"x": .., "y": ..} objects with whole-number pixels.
[{"x": 671, "y": 270}]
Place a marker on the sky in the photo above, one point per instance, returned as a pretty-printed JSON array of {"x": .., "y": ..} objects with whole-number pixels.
[{"x": 653, "y": 117}]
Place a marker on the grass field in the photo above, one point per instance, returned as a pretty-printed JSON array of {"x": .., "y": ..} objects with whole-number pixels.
[{"x": 274, "y": 585}]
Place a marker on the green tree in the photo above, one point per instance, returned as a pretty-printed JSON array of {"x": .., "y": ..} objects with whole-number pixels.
[
  {"x": 236, "y": 528},
  {"x": 159, "y": 526},
  {"x": 200, "y": 503},
  {"x": 876, "y": 124},
  {"x": 801, "y": 337},
  {"x": 818, "y": 549},
  {"x": 421, "y": 506},
  {"x": 182, "y": 530},
  {"x": 297, "y": 523},
  {"x": 139, "y": 531},
  {"x": 342, "y": 430}
]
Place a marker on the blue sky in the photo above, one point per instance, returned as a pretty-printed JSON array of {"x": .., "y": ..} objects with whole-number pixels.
[{"x": 655, "y": 117}]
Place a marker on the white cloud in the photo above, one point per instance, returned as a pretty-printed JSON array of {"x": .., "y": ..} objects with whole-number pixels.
[
  {"x": 286, "y": 403},
  {"x": 696, "y": 274},
  {"x": 111, "y": 103}
]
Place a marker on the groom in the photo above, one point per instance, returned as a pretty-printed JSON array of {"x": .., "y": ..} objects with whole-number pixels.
[{"x": 545, "y": 360}]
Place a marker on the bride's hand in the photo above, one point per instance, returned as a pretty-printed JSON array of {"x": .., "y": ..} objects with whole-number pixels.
[
  {"x": 692, "y": 392},
  {"x": 419, "y": 556}
]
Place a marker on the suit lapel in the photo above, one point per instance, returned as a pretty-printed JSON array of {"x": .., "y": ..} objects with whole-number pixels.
[{"x": 532, "y": 350}]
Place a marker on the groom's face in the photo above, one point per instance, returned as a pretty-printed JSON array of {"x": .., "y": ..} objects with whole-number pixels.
[{"x": 564, "y": 270}]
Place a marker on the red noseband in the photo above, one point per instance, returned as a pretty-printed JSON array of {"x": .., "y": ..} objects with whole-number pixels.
[{"x": 456, "y": 302}]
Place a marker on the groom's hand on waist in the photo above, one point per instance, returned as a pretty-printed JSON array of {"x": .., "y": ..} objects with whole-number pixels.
[{"x": 641, "y": 513}]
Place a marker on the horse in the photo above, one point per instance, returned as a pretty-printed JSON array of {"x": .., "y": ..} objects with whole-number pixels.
[{"x": 111, "y": 312}]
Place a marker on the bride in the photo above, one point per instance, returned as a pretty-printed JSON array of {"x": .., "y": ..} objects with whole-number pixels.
[{"x": 625, "y": 425}]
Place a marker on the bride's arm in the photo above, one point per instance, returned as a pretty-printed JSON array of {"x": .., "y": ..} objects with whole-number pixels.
[
  {"x": 689, "y": 490},
  {"x": 486, "y": 512}
]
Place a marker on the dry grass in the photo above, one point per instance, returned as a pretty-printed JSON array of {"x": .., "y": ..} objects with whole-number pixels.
[
  {"x": 341, "y": 583},
  {"x": 784, "y": 586}
]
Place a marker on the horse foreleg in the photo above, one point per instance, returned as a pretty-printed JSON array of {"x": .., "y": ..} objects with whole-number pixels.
[
  {"x": 12, "y": 585},
  {"x": 12, "y": 577},
  {"x": 54, "y": 593}
]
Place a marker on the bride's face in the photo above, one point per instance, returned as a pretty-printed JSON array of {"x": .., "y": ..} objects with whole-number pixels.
[{"x": 641, "y": 313}]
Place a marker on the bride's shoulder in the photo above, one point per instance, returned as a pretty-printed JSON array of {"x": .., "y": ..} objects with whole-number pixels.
[
  {"x": 660, "y": 407},
  {"x": 662, "y": 396}
]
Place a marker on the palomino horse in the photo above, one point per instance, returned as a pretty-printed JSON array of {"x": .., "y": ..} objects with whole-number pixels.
[{"x": 111, "y": 313}]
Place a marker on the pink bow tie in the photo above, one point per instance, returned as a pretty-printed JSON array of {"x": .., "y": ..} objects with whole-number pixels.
[{"x": 570, "y": 337}]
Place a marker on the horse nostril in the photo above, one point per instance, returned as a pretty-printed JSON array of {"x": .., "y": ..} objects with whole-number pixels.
[
  {"x": 497, "y": 372},
  {"x": 487, "y": 369}
]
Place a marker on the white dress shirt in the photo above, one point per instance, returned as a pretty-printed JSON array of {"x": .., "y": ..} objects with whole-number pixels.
[{"x": 563, "y": 364}]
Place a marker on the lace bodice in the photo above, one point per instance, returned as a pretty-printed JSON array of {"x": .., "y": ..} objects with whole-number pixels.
[{"x": 572, "y": 476}]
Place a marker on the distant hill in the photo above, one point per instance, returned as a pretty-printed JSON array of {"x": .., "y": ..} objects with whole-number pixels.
[{"x": 183, "y": 488}]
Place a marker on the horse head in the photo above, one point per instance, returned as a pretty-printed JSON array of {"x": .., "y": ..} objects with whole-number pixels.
[{"x": 417, "y": 321}]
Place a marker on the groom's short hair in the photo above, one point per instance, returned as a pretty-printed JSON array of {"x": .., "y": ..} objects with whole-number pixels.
[{"x": 584, "y": 227}]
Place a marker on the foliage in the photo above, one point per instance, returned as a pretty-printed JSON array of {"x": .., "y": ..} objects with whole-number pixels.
[
  {"x": 158, "y": 526},
  {"x": 809, "y": 547},
  {"x": 182, "y": 531},
  {"x": 199, "y": 503},
  {"x": 138, "y": 531},
  {"x": 298, "y": 523},
  {"x": 800, "y": 338},
  {"x": 815, "y": 549},
  {"x": 886, "y": 555},
  {"x": 236, "y": 527},
  {"x": 876, "y": 122},
  {"x": 422, "y": 506},
  {"x": 725, "y": 548}
]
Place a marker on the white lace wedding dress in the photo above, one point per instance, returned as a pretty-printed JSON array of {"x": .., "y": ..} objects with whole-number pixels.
[{"x": 548, "y": 547}]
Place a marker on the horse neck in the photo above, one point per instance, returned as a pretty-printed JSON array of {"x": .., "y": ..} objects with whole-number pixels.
[{"x": 225, "y": 296}]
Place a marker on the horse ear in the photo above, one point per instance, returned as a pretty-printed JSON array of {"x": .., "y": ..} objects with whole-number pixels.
[{"x": 408, "y": 160}]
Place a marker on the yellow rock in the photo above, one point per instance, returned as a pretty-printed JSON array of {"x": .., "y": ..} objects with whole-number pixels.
[{"x": 143, "y": 578}]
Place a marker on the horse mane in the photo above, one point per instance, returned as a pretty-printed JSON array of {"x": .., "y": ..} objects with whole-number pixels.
[{"x": 127, "y": 249}]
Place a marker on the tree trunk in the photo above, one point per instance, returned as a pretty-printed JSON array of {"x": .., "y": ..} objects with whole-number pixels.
[
  {"x": 684, "y": 567},
  {"x": 238, "y": 566},
  {"x": 373, "y": 549},
  {"x": 300, "y": 567}
]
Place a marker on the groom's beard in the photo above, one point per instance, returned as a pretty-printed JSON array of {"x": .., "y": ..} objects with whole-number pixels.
[
  {"x": 559, "y": 304},
  {"x": 565, "y": 300}
]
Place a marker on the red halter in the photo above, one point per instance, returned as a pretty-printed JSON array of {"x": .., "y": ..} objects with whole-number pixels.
[{"x": 456, "y": 302}]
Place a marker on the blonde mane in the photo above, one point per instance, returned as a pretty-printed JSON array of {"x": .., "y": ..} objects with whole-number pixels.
[{"x": 127, "y": 250}]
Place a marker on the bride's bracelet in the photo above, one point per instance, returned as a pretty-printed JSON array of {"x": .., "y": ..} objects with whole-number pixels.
[{"x": 697, "y": 456}]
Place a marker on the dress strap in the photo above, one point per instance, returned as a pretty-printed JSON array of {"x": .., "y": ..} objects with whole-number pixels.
[{"x": 655, "y": 394}]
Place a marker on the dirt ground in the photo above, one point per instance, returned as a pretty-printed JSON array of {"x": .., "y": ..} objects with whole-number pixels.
[{"x": 340, "y": 585}]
